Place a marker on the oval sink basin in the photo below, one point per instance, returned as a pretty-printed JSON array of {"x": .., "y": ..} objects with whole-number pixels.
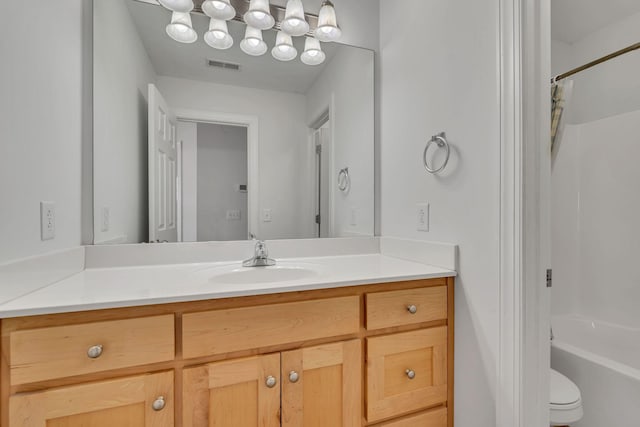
[{"x": 233, "y": 275}]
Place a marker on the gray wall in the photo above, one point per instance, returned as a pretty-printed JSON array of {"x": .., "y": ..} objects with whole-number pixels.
[{"x": 222, "y": 165}]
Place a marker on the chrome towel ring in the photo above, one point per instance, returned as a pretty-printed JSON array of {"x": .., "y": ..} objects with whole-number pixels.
[
  {"x": 441, "y": 142},
  {"x": 344, "y": 181}
]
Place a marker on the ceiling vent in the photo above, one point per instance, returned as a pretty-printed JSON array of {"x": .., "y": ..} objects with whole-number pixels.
[{"x": 224, "y": 65}]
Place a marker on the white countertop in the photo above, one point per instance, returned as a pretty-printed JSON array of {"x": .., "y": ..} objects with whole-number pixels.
[{"x": 101, "y": 288}]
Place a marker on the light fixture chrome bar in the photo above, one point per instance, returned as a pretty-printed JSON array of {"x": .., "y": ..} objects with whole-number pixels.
[{"x": 242, "y": 6}]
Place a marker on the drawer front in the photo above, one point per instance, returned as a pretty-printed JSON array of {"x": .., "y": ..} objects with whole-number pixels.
[
  {"x": 406, "y": 307},
  {"x": 225, "y": 331},
  {"x": 63, "y": 351},
  {"x": 406, "y": 372},
  {"x": 434, "y": 418}
]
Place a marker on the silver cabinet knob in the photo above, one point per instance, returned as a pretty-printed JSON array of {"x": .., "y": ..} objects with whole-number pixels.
[
  {"x": 94, "y": 352},
  {"x": 294, "y": 376},
  {"x": 412, "y": 309},
  {"x": 158, "y": 404},
  {"x": 411, "y": 374},
  {"x": 271, "y": 381}
]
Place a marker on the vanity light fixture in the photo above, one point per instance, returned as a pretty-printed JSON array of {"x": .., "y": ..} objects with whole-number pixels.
[
  {"x": 284, "y": 49},
  {"x": 328, "y": 30},
  {"x": 219, "y": 9},
  {"x": 180, "y": 29},
  {"x": 313, "y": 54},
  {"x": 294, "y": 22},
  {"x": 218, "y": 35},
  {"x": 183, "y": 6},
  {"x": 252, "y": 44},
  {"x": 259, "y": 15}
]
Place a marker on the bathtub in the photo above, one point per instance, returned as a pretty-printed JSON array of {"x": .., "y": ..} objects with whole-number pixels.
[{"x": 604, "y": 361}]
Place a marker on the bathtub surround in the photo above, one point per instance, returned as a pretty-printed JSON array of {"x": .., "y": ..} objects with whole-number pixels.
[{"x": 594, "y": 216}]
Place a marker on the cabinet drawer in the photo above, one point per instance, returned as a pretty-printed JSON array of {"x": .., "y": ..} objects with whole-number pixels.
[
  {"x": 406, "y": 372},
  {"x": 63, "y": 351},
  {"x": 434, "y": 418},
  {"x": 225, "y": 331},
  {"x": 142, "y": 401},
  {"x": 406, "y": 307}
]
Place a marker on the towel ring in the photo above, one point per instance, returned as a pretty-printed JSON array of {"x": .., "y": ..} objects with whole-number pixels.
[
  {"x": 441, "y": 141},
  {"x": 344, "y": 181}
]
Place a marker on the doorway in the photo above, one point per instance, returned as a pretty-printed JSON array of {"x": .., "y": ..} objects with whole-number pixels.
[
  {"x": 323, "y": 150},
  {"x": 214, "y": 181}
]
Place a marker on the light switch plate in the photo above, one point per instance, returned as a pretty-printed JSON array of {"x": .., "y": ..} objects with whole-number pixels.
[
  {"x": 266, "y": 215},
  {"x": 233, "y": 215},
  {"x": 106, "y": 219},
  {"x": 47, "y": 220},
  {"x": 422, "y": 213}
]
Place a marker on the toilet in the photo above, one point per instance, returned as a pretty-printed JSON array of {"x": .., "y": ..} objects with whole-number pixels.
[{"x": 565, "y": 402}]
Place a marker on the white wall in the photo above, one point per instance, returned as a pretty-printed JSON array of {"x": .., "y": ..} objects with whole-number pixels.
[
  {"x": 608, "y": 89},
  {"x": 347, "y": 84},
  {"x": 283, "y": 138},
  {"x": 599, "y": 239},
  {"x": 41, "y": 120},
  {"x": 188, "y": 135},
  {"x": 439, "y": 65},
  {"x": 122, "y": 73},
  {"x": 222, "y": 166}
]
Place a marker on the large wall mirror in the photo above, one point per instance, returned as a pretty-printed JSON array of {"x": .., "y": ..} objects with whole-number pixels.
[{"x": 193, "y": 143}]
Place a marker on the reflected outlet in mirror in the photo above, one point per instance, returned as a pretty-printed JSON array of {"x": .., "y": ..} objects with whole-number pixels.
[{"x": 193, "y": 143}]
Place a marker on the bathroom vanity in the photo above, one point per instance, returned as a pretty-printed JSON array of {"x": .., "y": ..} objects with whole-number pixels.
[{"x": 342, "y": 354}]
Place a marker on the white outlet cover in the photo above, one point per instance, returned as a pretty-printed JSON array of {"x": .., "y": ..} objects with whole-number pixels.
[
  {"x": 47, "y": 220},
  {"x": 422, "y": 217},
  {"x": 106, "y": 219}
]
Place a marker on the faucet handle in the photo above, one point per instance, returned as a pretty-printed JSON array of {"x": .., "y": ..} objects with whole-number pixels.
[{"x": 261, "y": 249}]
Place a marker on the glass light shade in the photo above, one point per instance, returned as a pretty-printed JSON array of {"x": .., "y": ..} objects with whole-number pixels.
[
  {"x": 183, "y": 6},
  {"x": 252, "y": 44},
  {"x": 328, "y": 30},
  {"x": 259, "y": 16},
  {"x": 218, "y": 36},
  {"x": 180, "y": 28},
  {"x": 313, "y": 54},
  {"x": 284, "y": 49},
  {"x": 219, "y": 9},
  {"x": 294, "y": 22}
]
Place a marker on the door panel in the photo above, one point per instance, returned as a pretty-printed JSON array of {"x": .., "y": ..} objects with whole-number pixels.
[
  {"x": 328, "y": 388},
  {"x": 163, "y": 155},
  {"x": 123, "y": 402},
  {"x": 233, "y": 393}
]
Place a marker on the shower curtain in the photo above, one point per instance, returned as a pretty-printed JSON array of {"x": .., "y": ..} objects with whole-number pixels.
[{"x": 560, "y": 96}]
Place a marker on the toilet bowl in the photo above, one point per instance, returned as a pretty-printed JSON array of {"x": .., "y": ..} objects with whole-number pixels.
[{"x": 565, "y": 402}]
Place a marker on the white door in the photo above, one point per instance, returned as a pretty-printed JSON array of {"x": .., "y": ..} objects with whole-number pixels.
[
  {"x": 322, "y": 181},
  {"x": 163, "y": 169}
]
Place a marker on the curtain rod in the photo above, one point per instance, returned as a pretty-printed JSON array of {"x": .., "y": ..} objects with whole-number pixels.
[{"x": 596, "y": 62}]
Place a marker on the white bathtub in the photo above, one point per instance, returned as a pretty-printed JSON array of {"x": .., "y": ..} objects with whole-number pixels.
[{"x": 604, "y": 361}]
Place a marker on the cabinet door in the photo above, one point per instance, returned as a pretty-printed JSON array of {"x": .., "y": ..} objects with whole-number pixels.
[
  {"x": 406, "y": 372},
  {"x": 141, "y": 401},
  {"x": 235, "y": 393},
  {"x": 322, "y": 386}
]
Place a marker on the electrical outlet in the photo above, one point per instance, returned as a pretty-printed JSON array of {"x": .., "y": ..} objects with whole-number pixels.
[
  {"x": 106, "y": 219},
  {"x": 233, "y": 215},
  {"x": 47, "y": 220},
  {"x": 266, "y": 215},
  {"x": 423, "y": 217}
]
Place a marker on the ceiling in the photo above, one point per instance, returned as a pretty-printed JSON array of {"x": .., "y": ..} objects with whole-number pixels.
[
  {"x": 189, "y": 61},
  {"x": 572, "y": 20}
]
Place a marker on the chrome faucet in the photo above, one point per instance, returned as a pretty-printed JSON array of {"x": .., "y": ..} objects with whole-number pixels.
[{"x": 260, "y": 257}]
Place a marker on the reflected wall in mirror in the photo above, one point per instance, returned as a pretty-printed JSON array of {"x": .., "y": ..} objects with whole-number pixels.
[{"x": 187, "y": 150}]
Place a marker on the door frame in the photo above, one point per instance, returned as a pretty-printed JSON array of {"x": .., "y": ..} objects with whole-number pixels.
[
  {"x": 524, "y": 347},
  {"x": 252, "y": 123}
]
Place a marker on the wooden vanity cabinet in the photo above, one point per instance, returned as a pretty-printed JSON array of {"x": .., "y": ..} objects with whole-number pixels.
[
  {"x": 372, "y": 355},
  {"x": 314, "y": 386}
]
